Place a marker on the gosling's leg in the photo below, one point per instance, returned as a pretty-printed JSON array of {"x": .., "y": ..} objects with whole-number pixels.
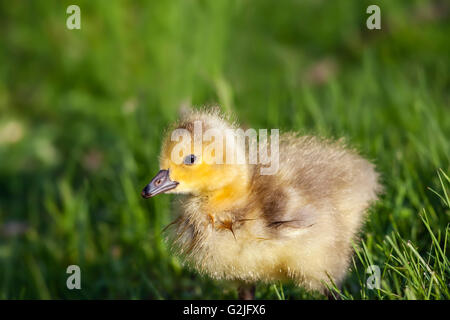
[
  {"x": 332, "y": 295},
  {"x": 246, "y": 292}
]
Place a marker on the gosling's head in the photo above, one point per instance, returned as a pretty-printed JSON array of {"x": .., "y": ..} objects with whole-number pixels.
[{"x": 193, "y": 157}]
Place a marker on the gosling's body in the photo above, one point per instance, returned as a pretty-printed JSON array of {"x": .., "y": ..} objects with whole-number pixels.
[{"x": 297, "y": 224}]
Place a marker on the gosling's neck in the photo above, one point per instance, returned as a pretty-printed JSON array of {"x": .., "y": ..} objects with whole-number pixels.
[{"x": 231, "y": 196}]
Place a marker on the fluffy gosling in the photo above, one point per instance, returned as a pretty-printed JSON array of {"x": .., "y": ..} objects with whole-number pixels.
[{"x": 297, "y": 224}]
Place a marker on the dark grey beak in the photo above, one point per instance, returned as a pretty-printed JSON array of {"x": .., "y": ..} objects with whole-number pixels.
[{"x": 159, "y": 184}]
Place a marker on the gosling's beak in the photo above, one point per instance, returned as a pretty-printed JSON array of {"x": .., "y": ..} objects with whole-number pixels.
[{"x": 159, "y": 184}]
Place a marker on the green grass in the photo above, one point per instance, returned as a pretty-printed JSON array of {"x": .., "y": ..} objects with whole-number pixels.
[{"x": 82, "y": 113}]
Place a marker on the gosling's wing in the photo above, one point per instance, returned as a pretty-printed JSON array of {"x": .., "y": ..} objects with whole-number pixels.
[
  {"x": 282, "y": 208},
  {"x": 299, "y": 218}
]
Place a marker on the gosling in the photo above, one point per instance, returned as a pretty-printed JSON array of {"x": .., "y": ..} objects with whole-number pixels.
[{"x": 297, "y": 224}]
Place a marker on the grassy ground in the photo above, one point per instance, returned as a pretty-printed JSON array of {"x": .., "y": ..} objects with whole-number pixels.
[{"x": 82, "y": 111}]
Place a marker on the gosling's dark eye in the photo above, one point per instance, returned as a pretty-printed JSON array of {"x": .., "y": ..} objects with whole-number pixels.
[{"x": 190, "y": 159}]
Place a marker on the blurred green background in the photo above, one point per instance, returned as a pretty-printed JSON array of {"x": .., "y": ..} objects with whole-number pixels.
[{"x": 82, "y": 114}]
